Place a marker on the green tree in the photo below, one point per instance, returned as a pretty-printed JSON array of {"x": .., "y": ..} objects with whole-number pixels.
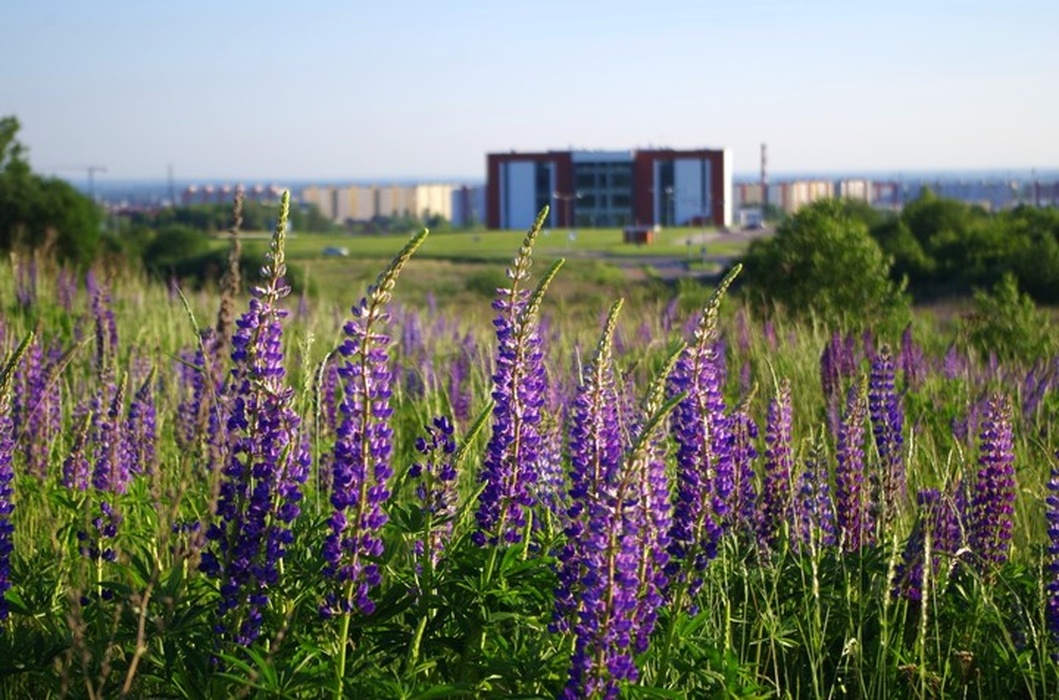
[
  {"x": 824, "y": 262},
  {"x": 38, "y": 213}
]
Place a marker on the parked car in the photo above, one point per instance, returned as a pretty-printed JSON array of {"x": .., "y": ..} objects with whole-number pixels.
[{"x": 335, "y": 252}]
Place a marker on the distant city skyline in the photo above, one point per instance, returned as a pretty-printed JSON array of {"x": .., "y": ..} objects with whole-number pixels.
[{"x": 327, "y": 91}]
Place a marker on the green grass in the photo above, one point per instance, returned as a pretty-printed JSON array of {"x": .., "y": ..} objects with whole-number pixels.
[{"x": 499, "y": 246}]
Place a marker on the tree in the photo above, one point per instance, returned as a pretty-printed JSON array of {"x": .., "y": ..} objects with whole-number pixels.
[
  {"x": 39, "y": 213},
  {"x": 823, "y": 261}
]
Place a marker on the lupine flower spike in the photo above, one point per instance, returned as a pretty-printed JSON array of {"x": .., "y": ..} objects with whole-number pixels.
[
  {"x": 887, "y": 421},
  {"x": 622, "y": 555},
  {"x": 361, "y": 463},
  {"x": 1052, "y": 566},
  {"x": 508, "y": 472},
  {"x": 855, "y": 529},
  {"x": 7, "y": 474},
  {"x": 993, "y": 501},
  {"x": 266, "y": 461},
  {"x": 777, "y": 500},
  {"x": 704, "y": 445},
  {"x": 595, "y": 455}
]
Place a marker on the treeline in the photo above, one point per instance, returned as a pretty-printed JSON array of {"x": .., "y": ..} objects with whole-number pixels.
[
  {"x": 216, "y": 218},
  {"x": 947, "y": 247},
  {"x": 40, "y": 213},
  {"x": 852, "y": 267}
]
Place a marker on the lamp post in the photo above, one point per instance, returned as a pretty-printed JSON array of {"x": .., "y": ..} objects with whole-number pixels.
[{"x": 566, "y": 198}]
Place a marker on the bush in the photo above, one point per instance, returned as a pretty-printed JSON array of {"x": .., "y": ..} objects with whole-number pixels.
[
  {"x": 823, "y": 262},
  {"x": 173, "y": 246},
  {"x": 1007, "y": 323}
]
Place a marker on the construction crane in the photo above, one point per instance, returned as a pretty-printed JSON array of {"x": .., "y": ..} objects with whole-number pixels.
[{"x": 91, "y": 170}]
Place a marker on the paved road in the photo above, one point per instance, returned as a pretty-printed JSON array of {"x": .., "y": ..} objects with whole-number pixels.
[{"x": 671, "y": 267}]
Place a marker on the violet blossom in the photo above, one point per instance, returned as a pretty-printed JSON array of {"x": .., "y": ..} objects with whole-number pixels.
[{"x": 361, "y": 463}]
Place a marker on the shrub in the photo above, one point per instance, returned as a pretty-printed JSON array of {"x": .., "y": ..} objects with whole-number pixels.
[
  {"x": 823, "y": 262},
  {"x": 1007, "y": 323}
]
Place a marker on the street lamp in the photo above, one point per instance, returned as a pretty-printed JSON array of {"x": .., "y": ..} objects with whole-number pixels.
[{"x": 566, "y": 198}]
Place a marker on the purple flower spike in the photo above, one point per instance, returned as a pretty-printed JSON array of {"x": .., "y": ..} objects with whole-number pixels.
[
  {"x": 7, "y": 474},
  {"x": 140, "y": 428},
  {"x": 814, "y": 511},
  {"x": 596, "y": 450},
  {"x": 938, "y": 518},
  {"x": 992, "y": 505},
  {"x": 436, "y": 490},
  {"x": 7, "y": 506},
  {"x": 854, "y": 517},
  {"x": 744, "y": 497},
  {"x": 887, "y": 420},
  {"x": 777, "y": 501},
  {"x": 509, "y": 471},
  {"x": 361, "y": 463},
  {"x": 1052, "y": 583},
  {"x": 704, "y": 447},
  {"x": 266, "y": 461},
  {"x": 620, "y": 556}
]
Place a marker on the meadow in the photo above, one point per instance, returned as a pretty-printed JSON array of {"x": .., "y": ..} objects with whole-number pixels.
[{"x": 430, "y": 480}]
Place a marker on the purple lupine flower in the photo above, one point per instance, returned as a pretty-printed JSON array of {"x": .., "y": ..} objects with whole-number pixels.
[
  {"x": 953, "y": 365},
  {"x": 7, "y": 506},
  {"x": 652, "y": 512},
  {"x": 190, "y": 416},
  {"x": 551, "y": 488},
  {"x": 266, "y": 461},
  {"x": 992, "y": 505},
  {"x": 621, "y": 552},
  {"x": 106, "y": 329},
  {"x": 704, "y": 447},
  {"x": 887, "y": 420},
  {"x": 111, "y": 465},
  {"x": 361, "y": 462},
  {"x": 777, "y": 501},
  {"x": 595, "y": 455},
  {"x": 832, "y": 366},
  {"x": 7, "y": 473},
  {"x": 912, "y": 363},
  {"x": 77, "y": 470},
  {"x": 509, "y": 469},
  {"x": 744, "y": 498},
  {"x": 768, "y": 330},
  {"x": 1052, "y": 567},
  {"x": 436, "y": 490},
  {"x": 868, "y": 341},
  {"x": 938, "y": 518},
  {"x": 36, "y": 410},
  {"x": 66, "y": 288},
  {"x": 95, "y": 543},
  {"x": 141, "y": 428},
  {"x": 460, "y": 392},
  {"x": 1038, "y": 381},
  {"x": 26, "y": 283},
  {"x": 814, "y": 522},
  {"x": 854, "y": 516}
]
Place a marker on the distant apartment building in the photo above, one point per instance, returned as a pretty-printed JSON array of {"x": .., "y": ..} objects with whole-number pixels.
[
  {"x": 662, "y": 187},
  {"x": 342, "y": 203},
  {"x": 225, "y": 193},
  {"x": 790, "y": 196},
  {"x": 468, "y": 206}
]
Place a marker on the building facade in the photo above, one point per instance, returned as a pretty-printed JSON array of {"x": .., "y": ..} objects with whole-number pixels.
[
  {"x": 660, "y": 187},
  {"x": 343, "y": 203}
]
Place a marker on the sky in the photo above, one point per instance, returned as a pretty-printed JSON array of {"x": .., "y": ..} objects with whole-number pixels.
[{"x": 412, "y": 89}]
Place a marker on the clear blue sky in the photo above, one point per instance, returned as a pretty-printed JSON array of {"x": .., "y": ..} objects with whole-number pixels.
[{"x": 423, "y": 89}]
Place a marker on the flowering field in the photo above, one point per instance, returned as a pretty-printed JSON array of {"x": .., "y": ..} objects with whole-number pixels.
[{"x": 222, "y": 497}]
